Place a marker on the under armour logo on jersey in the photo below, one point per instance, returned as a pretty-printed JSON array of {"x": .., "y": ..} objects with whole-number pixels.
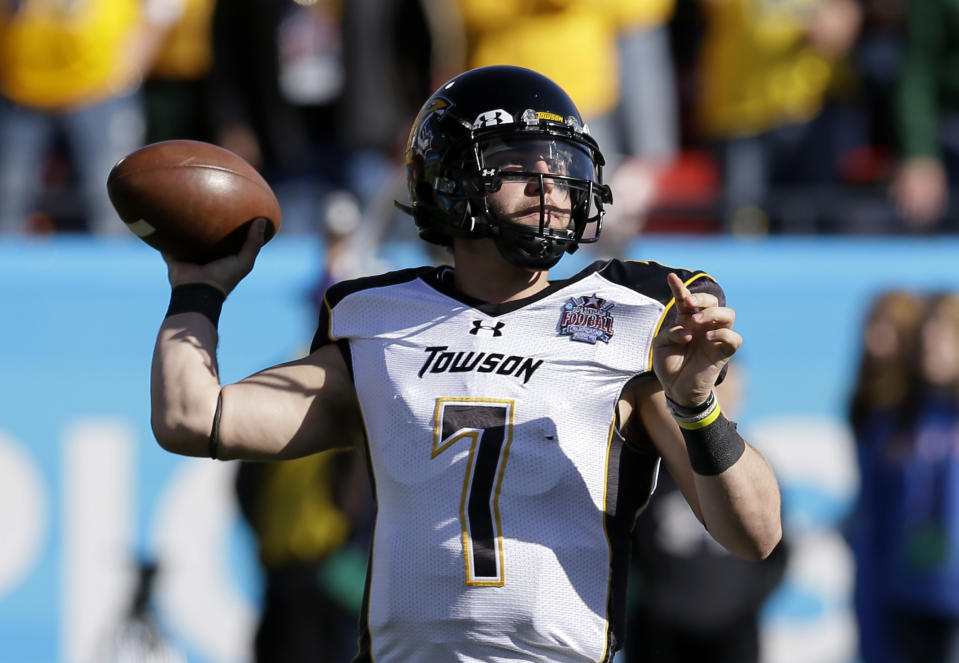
[
  {"x": 492, "y": 118},
  {"x": 478, "y": 324}
]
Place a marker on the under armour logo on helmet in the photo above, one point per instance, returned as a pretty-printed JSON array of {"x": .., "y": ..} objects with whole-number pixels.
[
  {"x": 491, "y": 118},
  {"x": 478, "y": 324}
]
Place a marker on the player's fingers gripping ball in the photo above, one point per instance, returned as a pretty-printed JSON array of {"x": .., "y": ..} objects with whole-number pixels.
[{"x": 191, "y": 200}]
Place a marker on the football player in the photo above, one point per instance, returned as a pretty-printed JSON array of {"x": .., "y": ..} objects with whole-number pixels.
[{"x": 514, "y": 425}]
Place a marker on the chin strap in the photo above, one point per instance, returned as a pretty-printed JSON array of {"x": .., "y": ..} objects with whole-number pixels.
[{"x": 533, "y": 253}]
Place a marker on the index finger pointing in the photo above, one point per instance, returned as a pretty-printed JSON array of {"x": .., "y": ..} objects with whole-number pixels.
[{"x": 680, "y": 293}]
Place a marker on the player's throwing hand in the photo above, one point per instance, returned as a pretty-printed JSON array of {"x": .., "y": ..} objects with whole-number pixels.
[
  {"x": 223, "y": 273},
  {"x": 689, "y": 355}
]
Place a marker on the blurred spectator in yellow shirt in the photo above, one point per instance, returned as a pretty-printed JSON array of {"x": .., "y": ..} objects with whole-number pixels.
[
  {"x": 311, "y": 519},
  {"x": 767, "y": 71},
  {"x": 176, "y": 91},
  {"x": 72, "y": 69},
  {"x": 612, "y": 56}
]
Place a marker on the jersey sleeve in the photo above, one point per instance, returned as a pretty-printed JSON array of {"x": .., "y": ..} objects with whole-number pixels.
[
  {"x": 339, "y": 291},
  {"x": 649, "y": 278}
]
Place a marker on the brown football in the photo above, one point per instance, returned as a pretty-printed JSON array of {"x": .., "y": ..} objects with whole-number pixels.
[{"x": 192, "y": 200}]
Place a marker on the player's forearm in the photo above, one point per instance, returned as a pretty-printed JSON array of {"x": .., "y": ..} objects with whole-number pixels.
[
  {"x": 184, "y": 384},
  {"x": 736, "y": 490},
  {"x": 741, "y": 506}
]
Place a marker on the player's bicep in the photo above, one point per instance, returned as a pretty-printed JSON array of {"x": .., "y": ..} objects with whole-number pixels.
[{"x": 290, "y": 410}]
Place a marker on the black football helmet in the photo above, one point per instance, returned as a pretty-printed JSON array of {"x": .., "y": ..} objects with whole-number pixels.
[{"x": 491, "y": 125}]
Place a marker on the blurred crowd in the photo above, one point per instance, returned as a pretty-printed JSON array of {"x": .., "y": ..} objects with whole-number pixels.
[
  {"x": 716, "y": 116},
  {"x": 904, "y": 532}
]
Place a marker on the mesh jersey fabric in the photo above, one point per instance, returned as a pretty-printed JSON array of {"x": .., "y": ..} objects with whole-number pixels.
[{"x": 505, "y": 495}]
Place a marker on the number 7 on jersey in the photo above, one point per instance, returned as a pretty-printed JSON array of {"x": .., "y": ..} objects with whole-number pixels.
[{"x": 488, "y": 424}]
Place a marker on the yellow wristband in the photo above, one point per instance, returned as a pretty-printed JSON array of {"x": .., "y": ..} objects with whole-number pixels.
[{"x": 711, "y": 416}]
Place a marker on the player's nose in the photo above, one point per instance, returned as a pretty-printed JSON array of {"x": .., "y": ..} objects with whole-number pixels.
[{"x": 546, "y": 183}]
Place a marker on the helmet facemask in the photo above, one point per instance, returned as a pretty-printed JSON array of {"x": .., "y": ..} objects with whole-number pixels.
[{"x": 538, "y": 196}]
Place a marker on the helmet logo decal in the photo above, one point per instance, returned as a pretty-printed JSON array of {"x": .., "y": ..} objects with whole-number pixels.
[
  {"x": 587, "y": 319},
  {"x": 436, "y": 106},
  {"x": 491, "y": 118}
]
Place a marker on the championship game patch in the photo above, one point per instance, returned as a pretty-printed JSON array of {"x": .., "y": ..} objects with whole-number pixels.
[{"x": 587, "y": 319}]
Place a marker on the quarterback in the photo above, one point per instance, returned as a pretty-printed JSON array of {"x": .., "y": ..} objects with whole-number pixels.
[{"x": 514, "y": 425}]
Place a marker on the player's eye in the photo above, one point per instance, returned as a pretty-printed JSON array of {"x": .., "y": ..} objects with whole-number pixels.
[{"x": 507, "y": 161}]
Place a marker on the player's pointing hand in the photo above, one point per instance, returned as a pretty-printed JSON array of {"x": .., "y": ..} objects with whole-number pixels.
[{"x": 689, "y": 355}]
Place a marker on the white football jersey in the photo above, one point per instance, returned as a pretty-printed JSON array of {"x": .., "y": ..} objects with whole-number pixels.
[{"x": 505, "y": 494}]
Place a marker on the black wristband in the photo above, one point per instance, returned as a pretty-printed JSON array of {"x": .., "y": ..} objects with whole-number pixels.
[
  {"x": 202, "y": 298},
  {"x": 714, "y": 448}
]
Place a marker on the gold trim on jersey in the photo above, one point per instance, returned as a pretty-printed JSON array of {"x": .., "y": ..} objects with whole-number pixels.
[{"x": 609, "y": 544}]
